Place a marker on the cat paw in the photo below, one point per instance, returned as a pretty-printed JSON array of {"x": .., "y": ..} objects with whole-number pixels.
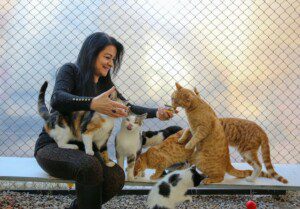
[
  {"x": 206, "y": 181},
  {"x": 181, "y": 140},
  {"x": 89, "y": 152},
  {"x": 250, "y": 179},
  {"x": 189, "y": 146},
  {"x": 154, "y": 177},
  {"x": 110, "y": 164},
  {"x": 189, "y": 199},
  {"x": 130, "y": 178}
]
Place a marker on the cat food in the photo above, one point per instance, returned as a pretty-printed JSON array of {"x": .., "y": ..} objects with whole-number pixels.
[{"x": 169, "y": 108}]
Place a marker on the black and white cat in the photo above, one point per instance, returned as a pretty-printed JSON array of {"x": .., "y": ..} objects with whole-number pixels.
[
  {"x": 172, "y": 189},
  {"x": 128, "y": 142},
  {"x": 151, "y": 138}
]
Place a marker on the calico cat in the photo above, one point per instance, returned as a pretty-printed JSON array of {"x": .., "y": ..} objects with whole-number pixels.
[
  {"x": 247, "y": 137},
  {"x": 209, "y": 143},
  {"x": 162, "y": 156},
  {"x": 172, "y": 189},
  {"x": 82, "y": 126},
  {"x": 151, "y": 138},
  {"x": 128, "y": 142}
]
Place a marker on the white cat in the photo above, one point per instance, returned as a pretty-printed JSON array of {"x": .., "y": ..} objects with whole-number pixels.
[
  {"x": 128, "y": 142},
  {"x": 172, "y": 189}
]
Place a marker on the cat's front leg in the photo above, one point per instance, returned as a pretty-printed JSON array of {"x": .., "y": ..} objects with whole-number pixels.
[
  {"x": 157, "y": 174},
  {"x": 120, "y": 159},
  {"x": 130, "y": 167},
  {"x": 197, "y": 137},
  {"x": 187, "y": 198},
  {"x": 185, "y": 136},
  {"x": 88, "y": 144}
]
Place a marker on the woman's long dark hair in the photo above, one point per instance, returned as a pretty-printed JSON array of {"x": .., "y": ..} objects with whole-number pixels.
[{"x": 86, "y": 60}]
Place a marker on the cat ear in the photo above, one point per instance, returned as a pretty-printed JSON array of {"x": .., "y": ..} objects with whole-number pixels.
[
  {"x": 193, "y": 167},
  {"x": 178, "y": 86},
  {"x": 196, "y": 91},
  {"x": 126, "y": 102}
]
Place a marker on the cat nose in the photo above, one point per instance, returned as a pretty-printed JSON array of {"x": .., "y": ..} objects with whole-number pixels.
[{"x": 129, "y": 127}]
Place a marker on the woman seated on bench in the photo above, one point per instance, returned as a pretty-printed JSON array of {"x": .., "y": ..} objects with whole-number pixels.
[{"x": 89, "y": 77}]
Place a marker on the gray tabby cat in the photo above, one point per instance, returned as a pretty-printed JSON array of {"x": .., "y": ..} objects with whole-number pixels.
[
  {"x": 172, "y": 189},
  {"x": 128, "y": 142}
]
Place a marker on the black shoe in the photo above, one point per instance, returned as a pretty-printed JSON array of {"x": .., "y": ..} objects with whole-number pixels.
[
  {"x": 74, "y": 205},
  {"x": 89, "y": 196}
]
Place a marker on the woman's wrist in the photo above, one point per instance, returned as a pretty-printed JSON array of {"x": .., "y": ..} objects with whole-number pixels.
[{"x": 92, "y": 105}]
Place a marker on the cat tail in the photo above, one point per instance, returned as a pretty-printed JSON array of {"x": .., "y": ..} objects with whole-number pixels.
[
  {"x": 42, "y": 108},
  {"x": 265, "y": 150},
  {"x": 237, "y": 173}
]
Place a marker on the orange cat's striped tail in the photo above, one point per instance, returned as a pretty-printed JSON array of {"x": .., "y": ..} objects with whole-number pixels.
[
  {"x": 237, "y": 173},
  {"x": 265, "y": 151}
]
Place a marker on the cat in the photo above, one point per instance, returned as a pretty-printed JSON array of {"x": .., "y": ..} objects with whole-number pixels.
[
  {"x": 172, "y": 189},
  {"x": 128, "y": 142},
  {"x": 151, "y": 138},
  {"x": 162, "y": 156},
  {"x": 208, "y": 143},
  {"x": 247, "y": 137},
  {"x": 84, "y": 126}
]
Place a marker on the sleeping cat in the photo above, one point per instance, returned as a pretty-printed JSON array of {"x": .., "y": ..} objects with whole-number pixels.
[
  {"x": 209, "y": 143},
  {"x": 151, "y": 138},
  {"x": 83, "y": 126},
  {"x": 172, "y": 189},
  {"x": 162, "y": 156},
  {"x": 128, "y": 142},
  {"x": 247, "y": 137}
]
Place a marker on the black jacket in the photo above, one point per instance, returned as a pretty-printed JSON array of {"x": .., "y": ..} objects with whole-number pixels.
[{"x": 65, "y": 98}]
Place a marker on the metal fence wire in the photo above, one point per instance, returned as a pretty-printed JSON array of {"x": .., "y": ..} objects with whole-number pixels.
[{"x": 243, "y": 56}]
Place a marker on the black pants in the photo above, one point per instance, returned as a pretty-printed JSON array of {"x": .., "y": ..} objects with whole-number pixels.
[{"x": 84, "y": 169}]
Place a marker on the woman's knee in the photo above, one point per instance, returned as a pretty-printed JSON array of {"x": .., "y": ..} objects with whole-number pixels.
[{"x": 89, "y": 171}]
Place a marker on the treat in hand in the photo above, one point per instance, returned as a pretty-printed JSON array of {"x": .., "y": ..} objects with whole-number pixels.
[{"x": 170, "y": 108}]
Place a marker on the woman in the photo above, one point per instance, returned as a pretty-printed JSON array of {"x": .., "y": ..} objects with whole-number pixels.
[{"x": 87, "y": 85}]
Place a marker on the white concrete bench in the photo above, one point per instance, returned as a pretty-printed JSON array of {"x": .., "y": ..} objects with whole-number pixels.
[{"x": 27, "y": 169}]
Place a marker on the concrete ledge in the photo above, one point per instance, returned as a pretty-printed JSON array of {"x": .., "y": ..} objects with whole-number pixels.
[{"x": 27, "y": 169}]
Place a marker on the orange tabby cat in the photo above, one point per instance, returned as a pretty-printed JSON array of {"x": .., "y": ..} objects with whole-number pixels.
[
  {"x": 162, "y": 156},
  {"x": 210, "y": 146},
  {"x": 246, "y": 136}
]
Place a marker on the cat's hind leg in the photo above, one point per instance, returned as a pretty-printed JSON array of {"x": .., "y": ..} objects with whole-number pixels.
[
  {"x": 62, "y": 142},
  {"x": 210, "y": 180},
  {"x": 108, "y": 162},
  {"x": 104, "y": 154},
  {"x": 251, "y": 158},
  {"x": 67, "y": 146}
]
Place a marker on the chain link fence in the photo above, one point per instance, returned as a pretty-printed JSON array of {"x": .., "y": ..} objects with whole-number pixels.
[{"x": 243, "y": 56}]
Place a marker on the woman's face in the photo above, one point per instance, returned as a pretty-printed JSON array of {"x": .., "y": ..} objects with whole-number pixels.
[{"x": 105, "y": 61}]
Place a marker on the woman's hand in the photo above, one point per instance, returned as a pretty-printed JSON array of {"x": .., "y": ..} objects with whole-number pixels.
[
  {"x": 164, "y": 113},
  {"x": 103, "y": 104}
]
